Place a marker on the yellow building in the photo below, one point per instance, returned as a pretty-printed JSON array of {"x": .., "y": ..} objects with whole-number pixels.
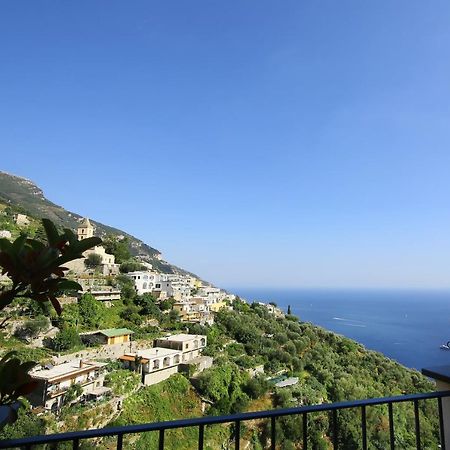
[
  {"x": 115, "y": 335},
  {"x": 85, "y": 230},
  {"x": 214, "y": 307}
]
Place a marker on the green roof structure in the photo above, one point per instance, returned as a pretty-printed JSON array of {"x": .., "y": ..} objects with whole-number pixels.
[{"x": 113, "y": 332}]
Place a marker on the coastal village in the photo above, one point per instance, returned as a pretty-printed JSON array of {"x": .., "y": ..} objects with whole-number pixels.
[
  {"x": 133, "y": 339},
  {"x": 80, "y": 377}
]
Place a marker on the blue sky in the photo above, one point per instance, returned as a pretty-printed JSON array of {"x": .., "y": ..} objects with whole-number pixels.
[{"x": 286, "y": 144}]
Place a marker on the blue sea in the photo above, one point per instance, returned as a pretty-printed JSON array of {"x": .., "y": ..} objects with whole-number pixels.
[{"x": 408, "y": 326}]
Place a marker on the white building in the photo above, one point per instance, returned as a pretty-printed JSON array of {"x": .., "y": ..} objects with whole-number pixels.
[
  {"x": 5, "y": 234},
  {"x": 146, "y": 281},
  {"x": 154, "y": 364},
  {"x": 21, "y": 219},
  {"x": 160, "y": 362},
  {"x": 160, "y": 284},
  {"x": 109, "y": 267},
  {"x": 191, "y": 345},
  {"x": 54, "y": 382}
]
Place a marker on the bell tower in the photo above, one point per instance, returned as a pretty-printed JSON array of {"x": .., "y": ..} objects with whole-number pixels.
[{"x": 85, "y": 230}]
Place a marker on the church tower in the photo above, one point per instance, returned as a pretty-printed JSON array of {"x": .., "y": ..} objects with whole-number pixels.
[{"x": 85, "y": 230}]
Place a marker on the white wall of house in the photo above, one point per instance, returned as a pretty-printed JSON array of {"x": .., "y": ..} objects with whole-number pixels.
[{"x": 160, "y": 375}]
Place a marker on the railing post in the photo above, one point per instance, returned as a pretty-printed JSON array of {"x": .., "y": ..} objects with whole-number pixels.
[
  {"x": 441, "y": 375},
  {"x": 445, "y": 421}
]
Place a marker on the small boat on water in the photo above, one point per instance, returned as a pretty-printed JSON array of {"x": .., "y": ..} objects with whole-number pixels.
[{"x": 445, "y": 346}]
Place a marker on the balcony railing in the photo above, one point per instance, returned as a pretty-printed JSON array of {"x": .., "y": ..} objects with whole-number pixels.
[{"x": 238, "y": 419}]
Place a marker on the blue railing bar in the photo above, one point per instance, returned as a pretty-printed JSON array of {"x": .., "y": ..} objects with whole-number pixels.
[
  {"x": 212, "y": 420},
  {"x": 305, "y": 431},
  {"x": 364, "y": 427},
  {"x": 391, "y": 426},
  {"x": 417, "y": 421},
  {"x": 441, "y": 423}
]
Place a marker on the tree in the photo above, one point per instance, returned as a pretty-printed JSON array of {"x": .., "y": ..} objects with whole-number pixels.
[
  {"x": 222, "y": 384},
  {"x": 70, "y": 315},
  {"x": 117, "y": 247},
  {"x": 131, "y": 314},
  {"x": 167, "y": 304},
  {"x": 256, "y": 387},
  {"x": 148, "y": 306},
  {"x": 174, "y": 315},
  {"x": 127, "y": 289},
  {"x": 90, "y": 311},
  {"x": 289, "y": 309},
  {"x": 93, "y": 260},
  {"x": 131, "y": 266},
  {"x": 35, "y": 309},
  {"x": 66, "y": 339}
]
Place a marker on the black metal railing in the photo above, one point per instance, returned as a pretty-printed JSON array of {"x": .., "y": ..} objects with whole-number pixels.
[{"x": 237, "y": 419}]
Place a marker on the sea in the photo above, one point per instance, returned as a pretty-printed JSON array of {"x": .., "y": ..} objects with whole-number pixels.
[{"x": 407, "y": 326}]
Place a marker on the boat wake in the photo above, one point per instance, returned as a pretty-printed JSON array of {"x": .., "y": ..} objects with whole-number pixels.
[{"x": 350, "y": 322}]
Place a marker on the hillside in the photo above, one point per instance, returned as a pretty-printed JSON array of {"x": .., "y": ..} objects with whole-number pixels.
[{"x": 25, "y": 196}]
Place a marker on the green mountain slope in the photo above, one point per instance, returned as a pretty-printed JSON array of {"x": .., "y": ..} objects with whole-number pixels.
[{"x": 27, "y": 197}]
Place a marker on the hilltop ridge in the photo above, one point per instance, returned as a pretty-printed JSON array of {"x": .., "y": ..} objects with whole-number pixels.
[{"x": 27, "y": 197}]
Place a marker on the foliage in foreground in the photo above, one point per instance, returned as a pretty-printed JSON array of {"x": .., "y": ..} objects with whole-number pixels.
[{"x": 35, "y": 271}]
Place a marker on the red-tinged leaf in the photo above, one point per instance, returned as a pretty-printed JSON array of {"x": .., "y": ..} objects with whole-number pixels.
[
  {"x": 27, "y": 388},
  {"x": 58, "y": 272},
  {"x": 51, "y": 231},
  {"x": 69, "y": 285},
  {"x": 56, "y": 305}
]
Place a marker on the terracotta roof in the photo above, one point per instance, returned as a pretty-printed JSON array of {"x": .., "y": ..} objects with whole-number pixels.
[{"x": 132, "y": 358}]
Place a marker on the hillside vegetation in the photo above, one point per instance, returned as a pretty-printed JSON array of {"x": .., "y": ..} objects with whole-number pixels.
[
  {"x": 330, "y": 368},
  {"x": 170, "y": 400}
]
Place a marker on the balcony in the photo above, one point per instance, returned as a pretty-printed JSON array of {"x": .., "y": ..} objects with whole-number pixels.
[{"x": 360, "y": 407}]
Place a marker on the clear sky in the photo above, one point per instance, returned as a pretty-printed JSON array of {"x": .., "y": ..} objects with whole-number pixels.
[{"x": 256, "y": 143}]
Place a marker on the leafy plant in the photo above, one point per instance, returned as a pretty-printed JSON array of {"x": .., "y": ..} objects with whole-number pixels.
[
  {"x": 36, "y": 272},
  {"x": 36, "y": 269},
  {"x": 14, "y": 378}
]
